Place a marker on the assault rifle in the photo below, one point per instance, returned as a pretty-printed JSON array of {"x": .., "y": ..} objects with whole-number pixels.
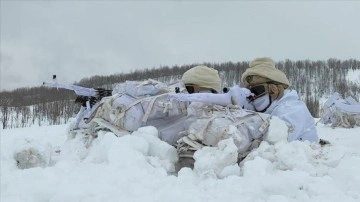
[
  {"x": 86, "y": 96},
  {"x": 233, "y": 96}
]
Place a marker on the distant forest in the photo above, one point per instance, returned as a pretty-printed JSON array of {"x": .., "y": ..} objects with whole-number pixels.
[{"x": 24, "y": 107}]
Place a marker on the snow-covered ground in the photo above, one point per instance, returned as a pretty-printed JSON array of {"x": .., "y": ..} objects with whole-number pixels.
[
  {"x": 353, "y": 76},
  {"x": 138, "y": 168}
]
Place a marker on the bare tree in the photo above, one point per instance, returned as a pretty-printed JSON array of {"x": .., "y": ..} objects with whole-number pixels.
[{"x": 5, "y": 111}]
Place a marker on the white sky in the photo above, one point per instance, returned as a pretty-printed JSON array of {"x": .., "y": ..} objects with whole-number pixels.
[{"x": 78, "y": 39}]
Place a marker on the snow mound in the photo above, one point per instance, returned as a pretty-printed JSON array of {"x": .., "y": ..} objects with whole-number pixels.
[
  {"x": 32, "y": 154},
  {"x": 128, "y": 169}
]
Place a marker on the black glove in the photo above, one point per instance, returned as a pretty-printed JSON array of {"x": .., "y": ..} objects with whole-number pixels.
[{"x": 83, "y": 99}]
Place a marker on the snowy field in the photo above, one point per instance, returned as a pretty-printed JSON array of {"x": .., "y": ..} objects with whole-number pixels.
[
  {"x": 353, "y": 76},
  {"x": 138, "y": 168}
]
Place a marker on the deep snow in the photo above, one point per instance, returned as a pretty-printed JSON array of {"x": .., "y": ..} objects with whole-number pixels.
[{"x": 139, "y": 167}]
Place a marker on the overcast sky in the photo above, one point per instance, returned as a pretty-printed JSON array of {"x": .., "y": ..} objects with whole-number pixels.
[{"x": 78, "y": 39}]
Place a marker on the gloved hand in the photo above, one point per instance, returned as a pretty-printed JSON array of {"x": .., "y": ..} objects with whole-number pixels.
[
  {"x": 83, "y": 99},
  {"x": 239, "y": 97}
]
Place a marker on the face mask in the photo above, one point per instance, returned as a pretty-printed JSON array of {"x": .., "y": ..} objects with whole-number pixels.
[
  {"x": 262, "y": 103},
  {"x": 257, "y": 91}
]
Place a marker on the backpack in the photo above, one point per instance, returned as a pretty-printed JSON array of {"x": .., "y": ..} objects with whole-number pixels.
[
  {"x": 341, "y": 112},
  {"x": 135, "y": 104},
  {"x": 215, "y": 123}
]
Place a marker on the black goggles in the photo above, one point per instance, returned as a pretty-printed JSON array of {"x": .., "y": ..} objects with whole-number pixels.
[
  {"x": 258, "y": 91},
  {"x": 190, "y": 88}
]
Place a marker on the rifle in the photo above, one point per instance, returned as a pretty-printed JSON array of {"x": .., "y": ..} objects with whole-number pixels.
[
  {"x": 233, "y": 96},
  {"x": 87, "y": 96}
]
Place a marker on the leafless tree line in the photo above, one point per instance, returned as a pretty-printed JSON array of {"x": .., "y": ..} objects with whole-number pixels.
[{"x": 48, "y": 106}]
